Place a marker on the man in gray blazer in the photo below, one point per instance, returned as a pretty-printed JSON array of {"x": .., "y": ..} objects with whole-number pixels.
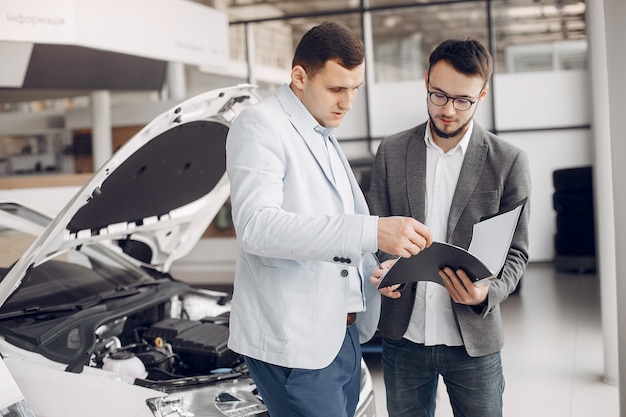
[
  {"x": 449, "y": 173},
  {"x": 305, "y": 236}
]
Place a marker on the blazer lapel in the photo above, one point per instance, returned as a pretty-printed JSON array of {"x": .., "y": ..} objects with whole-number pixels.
[
  {"x": 468, "y": 177},
  {"x": 416, "y": 173},
  {"x": 303, "y": 127},
  {"x": 318, "y": 148}
]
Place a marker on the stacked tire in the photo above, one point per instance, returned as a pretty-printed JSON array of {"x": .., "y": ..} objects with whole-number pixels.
[{"x": 574, "y": 240}]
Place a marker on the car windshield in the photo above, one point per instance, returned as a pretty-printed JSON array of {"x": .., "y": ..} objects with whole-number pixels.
[{"x": 64, "y": 279}]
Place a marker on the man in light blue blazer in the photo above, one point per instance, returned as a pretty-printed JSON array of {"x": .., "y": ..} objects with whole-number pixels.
[{"x": 305, "y": 236}]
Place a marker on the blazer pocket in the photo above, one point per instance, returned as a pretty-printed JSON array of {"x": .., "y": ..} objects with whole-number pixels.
[
  {"x": 289, "y": 300},
  {"x": 484, "y": 202}
]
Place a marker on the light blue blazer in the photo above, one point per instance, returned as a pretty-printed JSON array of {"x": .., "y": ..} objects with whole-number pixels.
[{"x": 295, "y": 242}]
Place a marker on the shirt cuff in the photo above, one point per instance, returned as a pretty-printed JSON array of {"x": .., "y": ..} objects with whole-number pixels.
[{"x": 370, "y": 234}]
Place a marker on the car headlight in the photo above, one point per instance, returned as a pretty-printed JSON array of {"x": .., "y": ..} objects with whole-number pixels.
[
  {"x": 237, "y": 398},
  {"x": 240, "y": 401},
  {"x": 170, "y": 406}
]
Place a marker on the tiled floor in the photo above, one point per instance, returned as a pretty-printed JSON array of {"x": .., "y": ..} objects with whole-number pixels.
[{"x": 553, "y": 358}]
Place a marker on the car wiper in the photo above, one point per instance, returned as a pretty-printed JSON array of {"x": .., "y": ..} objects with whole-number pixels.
[
  {"x": 118, "y": 292},
  {"x": 141, "y": 284},
  {"x": 36, "y": 310},
  {"x": 128, "y": 289}
]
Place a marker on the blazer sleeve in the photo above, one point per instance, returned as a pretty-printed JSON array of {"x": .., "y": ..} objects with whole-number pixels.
[{"x": 517, "y": 187}]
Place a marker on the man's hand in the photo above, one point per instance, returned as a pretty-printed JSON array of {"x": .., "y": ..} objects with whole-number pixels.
[
  {"x": 379, "y": 273},
  {"x": 461, "y": 288},
  {"x": 402, "y": 236}
]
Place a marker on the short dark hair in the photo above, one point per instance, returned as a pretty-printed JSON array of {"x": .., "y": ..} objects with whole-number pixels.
[
  {"x": 329, "y": 41},
  {"x": 467, "y": 56}
]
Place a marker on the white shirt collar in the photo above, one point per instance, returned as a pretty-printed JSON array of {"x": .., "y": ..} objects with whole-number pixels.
[
  {"x": 462, "y": 145},
  {"x": 305, "y": 115}
]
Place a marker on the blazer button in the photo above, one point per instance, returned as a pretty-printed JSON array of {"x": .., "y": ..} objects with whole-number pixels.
[
  {"x": 336, "y": 259},
  {"x": 344, "y": 273},
  {"x": 348, "y": 260}
]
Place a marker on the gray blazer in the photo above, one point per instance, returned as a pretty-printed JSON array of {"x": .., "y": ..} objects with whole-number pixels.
[
  {"x": 494, "y": 176},
  {"x": 295, "y": 241}
]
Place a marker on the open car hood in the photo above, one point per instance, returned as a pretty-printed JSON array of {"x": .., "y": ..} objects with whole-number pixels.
[{"x": 157, "y": 194}]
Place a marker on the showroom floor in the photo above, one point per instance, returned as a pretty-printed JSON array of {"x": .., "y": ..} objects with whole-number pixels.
[{"x": 553, "y": 357}]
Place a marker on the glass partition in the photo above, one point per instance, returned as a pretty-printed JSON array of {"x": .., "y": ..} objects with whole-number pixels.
[
  {"x": 403, "y": 38},
  {"x": 539, "y": 36}
]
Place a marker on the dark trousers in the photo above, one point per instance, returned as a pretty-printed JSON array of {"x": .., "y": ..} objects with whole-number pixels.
[
  {"x": 411, "y": 372},
  {"x": 294, "y": 392}
]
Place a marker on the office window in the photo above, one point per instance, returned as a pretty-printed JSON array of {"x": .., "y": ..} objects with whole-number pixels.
[
  {"x": 273, "y": 43},
  {"x": 237, "y": 43},
  {"x": 386, "y": 3},
  {"x": 403, "y": 38},
  {"x": 250, "y": 10},
  {"x": 547, "y": 35},
  {"x": 302, "y": 25}
]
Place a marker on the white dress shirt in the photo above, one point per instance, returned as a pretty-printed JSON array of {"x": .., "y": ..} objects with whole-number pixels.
[
  {"x": 432, "y": 320},
  {"x": 356, "y": 302}
]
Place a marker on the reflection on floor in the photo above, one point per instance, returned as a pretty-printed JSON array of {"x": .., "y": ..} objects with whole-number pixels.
[{"x": 553, "y": 357}]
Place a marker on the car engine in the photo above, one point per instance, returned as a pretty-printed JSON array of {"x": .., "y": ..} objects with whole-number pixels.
[{"x": 175, "y": 347}]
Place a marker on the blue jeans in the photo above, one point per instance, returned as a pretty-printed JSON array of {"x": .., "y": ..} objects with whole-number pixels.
[
  {"x": 411, "y": 372},
  {"x": 294, "y": 392}
]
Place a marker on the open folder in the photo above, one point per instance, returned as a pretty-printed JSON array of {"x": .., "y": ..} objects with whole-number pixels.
[{"x": 482, "y": 261}]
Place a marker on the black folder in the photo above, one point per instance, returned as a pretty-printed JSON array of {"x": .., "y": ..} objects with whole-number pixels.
[{"x": 491, "y": 241}]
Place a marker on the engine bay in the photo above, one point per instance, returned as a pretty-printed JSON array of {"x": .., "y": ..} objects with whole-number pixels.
[{"x": 172, "y": 348}]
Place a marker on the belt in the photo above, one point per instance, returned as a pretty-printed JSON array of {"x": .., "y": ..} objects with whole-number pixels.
[{"x": 351, "y": 319}]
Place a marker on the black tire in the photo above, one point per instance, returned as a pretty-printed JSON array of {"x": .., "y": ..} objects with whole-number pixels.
[{"x": 573, "y": 179}]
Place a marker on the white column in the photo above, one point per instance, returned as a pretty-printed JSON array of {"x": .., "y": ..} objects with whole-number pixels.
[
  {"x": 603, "y": 186},
  {"x": 370, "y": 70},
  {"x": 101, "y": 137},
  {"x": 176, "y": 81},
  {"x": 250, "y": 48},
  {"x": 615, "y": 35}
]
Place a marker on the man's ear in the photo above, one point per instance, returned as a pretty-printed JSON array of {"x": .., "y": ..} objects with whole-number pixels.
[
  {"x": 426, "y": 78},
  {"x": 483, "y": 93},
  {"x": 298, "y": 76}
]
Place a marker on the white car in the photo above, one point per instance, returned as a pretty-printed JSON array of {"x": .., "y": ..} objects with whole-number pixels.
[{"x": 91, "y": 322}]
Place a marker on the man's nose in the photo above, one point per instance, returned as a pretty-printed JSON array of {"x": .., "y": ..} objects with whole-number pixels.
[
  {"x": 347, "y": 98},
  {"x": 448, "y": 108}
]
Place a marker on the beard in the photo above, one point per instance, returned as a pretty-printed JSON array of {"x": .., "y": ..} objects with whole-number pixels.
[{"x": 447, "y": 135}]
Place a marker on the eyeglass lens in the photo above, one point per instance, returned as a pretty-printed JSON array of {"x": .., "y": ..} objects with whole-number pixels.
[{"x": 439, "y": 99}]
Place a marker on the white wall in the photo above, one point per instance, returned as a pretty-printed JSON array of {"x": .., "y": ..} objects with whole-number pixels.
[
  {"x": 194, "y": 34},
  {"x": 545, "y": 100},
  {"x": 548, "y": 151},
  {"x": 614, "y": 13},
  {"x": 535, "y": 100}
]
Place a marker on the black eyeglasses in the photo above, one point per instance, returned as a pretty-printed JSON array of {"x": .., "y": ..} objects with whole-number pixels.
[{"x": 459, "y": 103}]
